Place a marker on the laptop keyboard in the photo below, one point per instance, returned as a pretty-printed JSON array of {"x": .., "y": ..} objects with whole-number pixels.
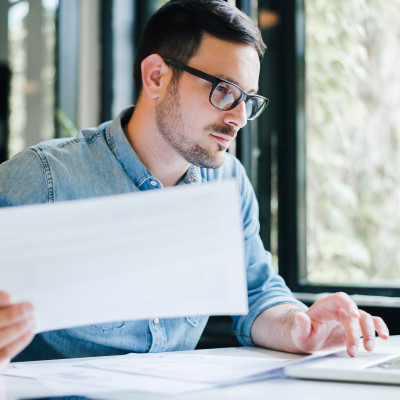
[{"x": 391, "y": 364}]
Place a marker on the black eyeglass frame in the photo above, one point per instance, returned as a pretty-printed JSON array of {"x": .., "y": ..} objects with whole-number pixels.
[{"x": 215, "y": 82}]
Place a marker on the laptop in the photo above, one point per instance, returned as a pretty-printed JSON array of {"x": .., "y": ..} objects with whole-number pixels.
[{"x": 382, "y": 366}]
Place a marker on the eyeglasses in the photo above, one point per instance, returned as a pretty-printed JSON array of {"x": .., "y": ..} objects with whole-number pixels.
[{"x": 226, "y": 95}]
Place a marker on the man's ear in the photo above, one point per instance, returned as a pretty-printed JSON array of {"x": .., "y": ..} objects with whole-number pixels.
[{"x": 155, "y": 75}]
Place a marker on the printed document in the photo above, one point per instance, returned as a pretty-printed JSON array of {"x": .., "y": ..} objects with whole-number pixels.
[
  {"x": 164, "y": 373},
  {"x": 160, "y": 253}
]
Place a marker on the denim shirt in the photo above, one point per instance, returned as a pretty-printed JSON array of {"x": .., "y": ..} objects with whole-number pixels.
[{"x": 101, "y": 162}]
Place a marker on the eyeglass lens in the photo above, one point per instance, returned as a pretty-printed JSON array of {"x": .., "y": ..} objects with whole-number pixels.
[{"x": 224, "y": 95}]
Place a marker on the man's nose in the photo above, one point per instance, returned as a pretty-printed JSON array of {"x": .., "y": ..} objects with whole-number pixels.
[{"x": 237, "y": 116}]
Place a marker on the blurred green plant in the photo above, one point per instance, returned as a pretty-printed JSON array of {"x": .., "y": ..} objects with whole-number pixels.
[
  {"x": 353, "y": 141},
  {"x": 65, "y": 123}
]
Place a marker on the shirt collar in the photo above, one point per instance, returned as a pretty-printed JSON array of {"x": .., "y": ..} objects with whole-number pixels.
[
  {"x": 130, "y": 161},
  {"x": 192, "y": 175}
]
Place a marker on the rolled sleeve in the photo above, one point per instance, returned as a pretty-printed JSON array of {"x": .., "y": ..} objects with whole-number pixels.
[{"x": 265, "y": 288}]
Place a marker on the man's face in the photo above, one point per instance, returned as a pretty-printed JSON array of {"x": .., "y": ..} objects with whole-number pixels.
[{"x": 194, "y": 129}]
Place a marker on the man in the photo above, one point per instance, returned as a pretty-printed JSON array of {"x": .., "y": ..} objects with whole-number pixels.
[{"x": 196, "y": 74}]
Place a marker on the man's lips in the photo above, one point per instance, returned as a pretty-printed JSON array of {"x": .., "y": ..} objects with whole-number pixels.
[{"x": 223, "y": 138}]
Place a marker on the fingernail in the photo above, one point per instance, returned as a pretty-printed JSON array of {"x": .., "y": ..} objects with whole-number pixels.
[
  {"x": 370, "y": 345},
  {"x": 353, "y": 351}
]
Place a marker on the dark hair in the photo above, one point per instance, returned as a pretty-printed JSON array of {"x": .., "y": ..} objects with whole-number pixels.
[{"x": 175, "y": 31}]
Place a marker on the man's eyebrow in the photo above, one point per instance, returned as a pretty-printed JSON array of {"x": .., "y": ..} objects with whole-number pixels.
[{"x": 227, "y": 78}]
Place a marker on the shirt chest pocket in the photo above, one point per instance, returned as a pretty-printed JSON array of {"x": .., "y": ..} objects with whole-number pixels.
[
  {"x": 108, "y": 327},
  {"x": 195, "y": 321}
]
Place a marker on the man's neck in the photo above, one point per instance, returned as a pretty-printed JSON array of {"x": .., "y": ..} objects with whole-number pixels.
[{"x": 152, "y": 149}]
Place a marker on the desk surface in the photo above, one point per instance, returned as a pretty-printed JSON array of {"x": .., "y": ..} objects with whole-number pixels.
[{"x": 12, "y": 388}]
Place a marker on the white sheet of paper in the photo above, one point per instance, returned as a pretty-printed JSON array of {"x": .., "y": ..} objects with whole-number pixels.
[
  {"x": 76, "y": 378},
  {"x": 196, "y": 368},
  {"x": 164, "y": 253},
  {"x": 172, "y": 372}
]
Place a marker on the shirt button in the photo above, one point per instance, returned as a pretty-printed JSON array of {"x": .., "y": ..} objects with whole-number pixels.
[
  {"x": 156, "y": 321},
  {"x": 153, "y": 183}
]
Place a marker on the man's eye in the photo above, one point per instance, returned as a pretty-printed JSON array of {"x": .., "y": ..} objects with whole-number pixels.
[{"x": 222, "y": 89}]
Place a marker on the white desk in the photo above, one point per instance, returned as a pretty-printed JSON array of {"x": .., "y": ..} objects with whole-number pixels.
[{"x": 12, "y": 388}]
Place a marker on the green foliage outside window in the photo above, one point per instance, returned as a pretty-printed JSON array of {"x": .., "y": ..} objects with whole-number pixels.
[{"x": 353, "y": 141}]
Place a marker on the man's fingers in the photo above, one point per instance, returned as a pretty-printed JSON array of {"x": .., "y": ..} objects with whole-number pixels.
[
  {"x": 367, "y": 330},
  {"x": 381, "y": 327},
  {"x": 14, "y": 348},
  {"x": 335, "y": 320},
  {"x": 369, "y": 325},
  {"x": 302, "y": 325},
  {"x": 14, "y": 332},
  {"x": 329, "y": 306},
  {"x": 347, "y": 304},
  {"x": 4, "y": 363},
  {"x": 4, "y": 299},
  {"x": 15, "y": 313},
  {"x": 301, "y": 331},
  {"x": 16, "y": 328},
  {"x": 351, "y": 326}
]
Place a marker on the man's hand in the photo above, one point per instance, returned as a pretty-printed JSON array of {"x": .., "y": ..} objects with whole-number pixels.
[
  {"x": 16, "y": 328},
  {"x": 334, "y": 321}
]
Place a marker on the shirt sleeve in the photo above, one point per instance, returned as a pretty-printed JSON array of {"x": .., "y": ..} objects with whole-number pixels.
[
  {"x": 25, "y": 179},
  {"x": 265, "y": 288}
]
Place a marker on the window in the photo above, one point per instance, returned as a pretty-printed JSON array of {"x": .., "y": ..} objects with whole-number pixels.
[
  {"x": 122, "y": 24},
  {"x": 332, "y": 69},
  {"x": 353, "y": 142},
  {"x": 31, "y": 30}
]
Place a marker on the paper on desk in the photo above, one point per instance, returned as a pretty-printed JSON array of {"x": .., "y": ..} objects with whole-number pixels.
[
  {"x": 196, "y": 367},
  {"x": 164, "y": 253},
  {"x": 70, "y": 377},
  {"x": 172, "y": 373}
]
